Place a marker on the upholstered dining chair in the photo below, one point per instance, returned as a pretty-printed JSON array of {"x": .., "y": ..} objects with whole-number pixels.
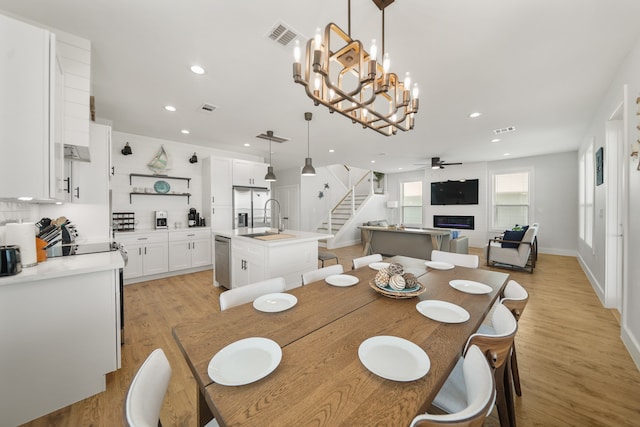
[
  {"x": 321, "y": 273},
  {"x": 462, "y": 260},
  {"x": 366, "y": 260},
  {"x": 250, "y": 292},
  {"x": 479, "y": 394},
  {"x": 147, "y": 390},
  {"x": 496, "y": 348}
]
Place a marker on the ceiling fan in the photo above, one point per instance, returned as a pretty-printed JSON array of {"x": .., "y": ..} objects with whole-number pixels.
[{"x": 436, "y": 163}]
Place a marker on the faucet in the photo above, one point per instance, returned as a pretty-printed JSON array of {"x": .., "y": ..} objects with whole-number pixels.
[{"x": 280, "y": 224}]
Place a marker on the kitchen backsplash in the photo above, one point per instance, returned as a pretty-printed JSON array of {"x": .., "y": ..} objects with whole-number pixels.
[{"x": 10, "y": 211}]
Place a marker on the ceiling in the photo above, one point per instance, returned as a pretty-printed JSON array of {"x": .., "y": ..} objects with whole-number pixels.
[{"x": 541, "y": 66}]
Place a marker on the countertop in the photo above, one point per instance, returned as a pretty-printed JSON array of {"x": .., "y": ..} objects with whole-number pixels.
[
  {"x": 66, "y": 266},
  {"x": 299, "y": 236}
]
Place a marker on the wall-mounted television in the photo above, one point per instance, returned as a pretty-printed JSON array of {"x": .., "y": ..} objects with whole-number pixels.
[{"x": 464, "y": 192}]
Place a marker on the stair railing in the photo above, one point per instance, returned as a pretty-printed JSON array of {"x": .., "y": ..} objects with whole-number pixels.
[{"x": 351, "y": 193}]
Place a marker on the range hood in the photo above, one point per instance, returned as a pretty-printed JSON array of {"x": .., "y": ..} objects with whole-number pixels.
[{"x": 77, "y": 153}]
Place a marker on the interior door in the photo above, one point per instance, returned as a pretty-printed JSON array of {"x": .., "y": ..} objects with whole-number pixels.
[{"x": 289, "y": 198}]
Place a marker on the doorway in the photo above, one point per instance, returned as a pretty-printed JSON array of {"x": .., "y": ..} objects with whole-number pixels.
[{"x": 289, "y": 198}]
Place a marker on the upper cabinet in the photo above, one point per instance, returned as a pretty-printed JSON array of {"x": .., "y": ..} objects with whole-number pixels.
[
  {"x": 27, "y": 112},
  {"x": 88, "y": 182},
  {"x": 249, "y": 174}
]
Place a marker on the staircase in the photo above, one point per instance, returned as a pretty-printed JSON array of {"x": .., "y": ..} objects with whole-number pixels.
[{"x": 341, "y": 214}]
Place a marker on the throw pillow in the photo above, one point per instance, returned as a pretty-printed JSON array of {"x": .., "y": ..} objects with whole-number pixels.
[{"x": 512, "y": 235}]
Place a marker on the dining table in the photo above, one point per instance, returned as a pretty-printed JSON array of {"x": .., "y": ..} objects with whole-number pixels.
[{"x": 321, "y": 379}]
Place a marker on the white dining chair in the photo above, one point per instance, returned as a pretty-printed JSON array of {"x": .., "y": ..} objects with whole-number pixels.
[
  {"x": 250, "y": 292},
  {"x": 321, "y": 273},
  {"x": 147, "y": 390},
  {"x": 497, "y": 348},
  {"x": 479, "y": 394},
  {"x": 462, "y": 260},
  {"x": 366, "y": 260}
]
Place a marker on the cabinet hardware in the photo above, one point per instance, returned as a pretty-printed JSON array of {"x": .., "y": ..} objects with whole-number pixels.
[
  {"x": 142, "y": 238},
  {"x": 113, "y": 170},
  {"x": 145, "y": 250},
  {"x": 139, "y": 251},
  {"x": 77, "y": 192},
  {"x": 68, "y": 189}
]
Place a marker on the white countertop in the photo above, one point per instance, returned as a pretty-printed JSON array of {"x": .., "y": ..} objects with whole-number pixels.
[
  {"x": 300, "y": 236},
  {"x": 66, "y": 266}
]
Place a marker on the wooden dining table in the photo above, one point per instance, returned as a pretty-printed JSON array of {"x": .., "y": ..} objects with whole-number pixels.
[{"x": 320, "y": 380}]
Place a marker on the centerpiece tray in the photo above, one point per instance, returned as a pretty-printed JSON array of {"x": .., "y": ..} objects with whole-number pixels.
[{"x": 404, "y": 294}]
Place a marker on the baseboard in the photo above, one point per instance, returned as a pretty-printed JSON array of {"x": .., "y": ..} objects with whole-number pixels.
[
  {"x": 333, "y": 245},
  {"x": 592, "y": 279},
  {"x": 632, "y": 345},
  {"x": 133, "y": 280}
]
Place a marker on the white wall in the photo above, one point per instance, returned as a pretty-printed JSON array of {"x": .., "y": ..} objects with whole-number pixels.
[
  {"x": 144, "y": 148},
  {"x": 593, "y": 260},
  {"x": 554, "y": 198}
]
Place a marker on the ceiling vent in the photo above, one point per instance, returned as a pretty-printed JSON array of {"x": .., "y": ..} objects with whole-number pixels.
[
  {"x": 283, "y": 34},
  {"x": 274, "y": 138},
  {"x": 504, "y": 130},
  {"x": 207, "y": 108}
]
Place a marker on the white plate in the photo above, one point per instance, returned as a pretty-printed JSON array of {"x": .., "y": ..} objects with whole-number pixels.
[
  {"x": 394, "y": 358},
  {"x": 273, "y": 303},
  {"x": 341, "y": 280},
  {"x": 379, "y": 265},
  {"x": 439, "y": 265},
  {"x": 442, "y": 311},
  {"x": 245, "y": 361},
  {"x": 471, "y": 287}
]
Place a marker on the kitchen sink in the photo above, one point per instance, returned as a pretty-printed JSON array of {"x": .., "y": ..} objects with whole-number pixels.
[{"x": 264, "y": 233}]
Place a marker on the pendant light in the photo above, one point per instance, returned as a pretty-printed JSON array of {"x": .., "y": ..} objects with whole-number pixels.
[
  {"x": 270, "y": 176},
  {"x": 308, "y": 169}
]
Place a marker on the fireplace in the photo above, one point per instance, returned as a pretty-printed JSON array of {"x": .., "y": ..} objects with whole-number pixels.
[{"x": 450, "y": 221}]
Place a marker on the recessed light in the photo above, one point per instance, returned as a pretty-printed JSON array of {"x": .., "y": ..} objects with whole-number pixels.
[
  {"x": 496, "y": 140},
  {"x": 474, "y": 115},
  {"x": 399, "y": 169},
  {"x": 332, "y": 150},
  {"x": 185, "y": 131},
  {"x": 373, "y": 161},
  {"x": 170, "y": 108},
  {"x": 506, "y": 154},
  {"x": 247, "y": 145},
  {"x": 25, "y": 199},
  {"x": 197, "y": 69}
]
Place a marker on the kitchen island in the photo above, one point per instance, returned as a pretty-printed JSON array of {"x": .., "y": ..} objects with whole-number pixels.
[
  {"x": 261, "y": 253},
  {"x": 59, "y": 333}
]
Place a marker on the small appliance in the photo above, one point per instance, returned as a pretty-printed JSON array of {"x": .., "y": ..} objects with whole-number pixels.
[
  {"x": 161, "y": 219},
  {"x": 10, "y": 260}
]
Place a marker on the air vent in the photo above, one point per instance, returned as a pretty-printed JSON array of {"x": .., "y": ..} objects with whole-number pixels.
[
  {"x": 504, "y": 130},
  {"x": 274, "y": 138},
  {"x": 283, "y": 34},
  {"x": 207, "y": 108}
]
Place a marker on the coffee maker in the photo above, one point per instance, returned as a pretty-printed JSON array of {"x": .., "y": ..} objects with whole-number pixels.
[{"x": 161, "y": 219}]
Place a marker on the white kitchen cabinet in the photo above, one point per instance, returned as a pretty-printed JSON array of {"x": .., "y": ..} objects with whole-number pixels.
[
  {"x": 249, "y": 174},
  {"x": 189, "y": 248},
  {"x": 217, "y": 192},
  {"x": 88, "y": 182},
  {"x": 248, "y": 263},
  {"x": 27, "y": 111},
  {"x": 148, "y": 253}
]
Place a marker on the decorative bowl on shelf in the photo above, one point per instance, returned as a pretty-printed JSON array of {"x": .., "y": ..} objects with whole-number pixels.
[{"x": 161, "y": 187}]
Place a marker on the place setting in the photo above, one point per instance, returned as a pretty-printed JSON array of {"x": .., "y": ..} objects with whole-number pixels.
[
  {"x": 394, "y": 358},
  {"x": 470, "y": 287},
  {"x": 442, "y": 311},
  {"x": 245, "y": 361},
  {"x": 341, "y": 280},
  {"x": 275, "y": 302},
  {"x": 439, "y": 265}
]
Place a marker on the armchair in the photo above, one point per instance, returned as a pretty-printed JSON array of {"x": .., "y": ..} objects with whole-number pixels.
[{"x": 522, "y": 256}]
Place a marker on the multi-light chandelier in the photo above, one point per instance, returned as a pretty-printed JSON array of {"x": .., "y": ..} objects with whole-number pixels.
[{"x": 343, "y": 77}]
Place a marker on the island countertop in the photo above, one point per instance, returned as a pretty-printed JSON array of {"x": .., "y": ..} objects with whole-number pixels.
[{"x": 297, "y": 236}]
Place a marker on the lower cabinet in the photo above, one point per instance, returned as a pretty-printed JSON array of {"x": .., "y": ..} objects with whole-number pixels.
[
  {"x": 148, "y": 254},
  {"x": 189, "y": 248},
  {"x": 248, "y": 263}
]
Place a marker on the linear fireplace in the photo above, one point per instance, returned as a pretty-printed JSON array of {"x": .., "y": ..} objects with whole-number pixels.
[{"x": 449, "y": 221}]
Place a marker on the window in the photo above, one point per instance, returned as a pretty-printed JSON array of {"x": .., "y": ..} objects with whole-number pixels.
[
  {"x": 586, "y": 196},
  {"x": 510, "y": 199},
  {"x": 412, "y": 203}
]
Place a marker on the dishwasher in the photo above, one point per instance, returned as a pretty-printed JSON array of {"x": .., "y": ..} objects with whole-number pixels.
[{"x": 222, "y": 249}]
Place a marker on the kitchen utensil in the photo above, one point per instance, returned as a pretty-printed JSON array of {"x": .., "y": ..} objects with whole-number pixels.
[{"x": 10, "y": 260}]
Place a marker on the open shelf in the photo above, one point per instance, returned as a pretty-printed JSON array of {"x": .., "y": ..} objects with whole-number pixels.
[
  {"x": 187, "y": 195},
  {"x": 131, "y": 175}
]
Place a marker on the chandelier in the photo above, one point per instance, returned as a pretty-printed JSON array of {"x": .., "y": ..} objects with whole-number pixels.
[{"x": 342, "y": 76}]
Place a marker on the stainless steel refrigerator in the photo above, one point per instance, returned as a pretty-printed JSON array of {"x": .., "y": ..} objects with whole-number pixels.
[{"x": 249, "y": 207}]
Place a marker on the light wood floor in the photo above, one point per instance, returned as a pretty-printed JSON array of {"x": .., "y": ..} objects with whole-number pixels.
[{"x": 574, "y": 368}]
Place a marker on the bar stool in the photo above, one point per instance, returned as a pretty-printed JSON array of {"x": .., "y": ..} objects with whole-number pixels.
[{"x": 326, "y": 256}]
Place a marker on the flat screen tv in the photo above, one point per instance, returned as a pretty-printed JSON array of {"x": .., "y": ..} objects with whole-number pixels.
[{"x": 455, "y": 192}]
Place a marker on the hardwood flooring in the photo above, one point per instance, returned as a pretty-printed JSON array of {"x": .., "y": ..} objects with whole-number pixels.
[{"x": 574, "y": 369}]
